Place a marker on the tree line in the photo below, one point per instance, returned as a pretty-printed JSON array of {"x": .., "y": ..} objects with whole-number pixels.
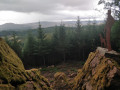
[{"x": 65, "y": 44}]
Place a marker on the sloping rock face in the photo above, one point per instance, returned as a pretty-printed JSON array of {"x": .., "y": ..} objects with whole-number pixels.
[
  {"x": 13, "y": 75},
  {"x": 100, "y": 72}
]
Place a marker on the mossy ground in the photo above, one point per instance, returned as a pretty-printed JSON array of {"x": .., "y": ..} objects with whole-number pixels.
[{"x": 70, "y": 69}]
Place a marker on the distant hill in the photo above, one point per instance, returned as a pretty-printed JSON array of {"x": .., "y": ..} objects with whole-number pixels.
[
  {"x": 12, "y": 26},
  {"x": 16, "y": 27}
]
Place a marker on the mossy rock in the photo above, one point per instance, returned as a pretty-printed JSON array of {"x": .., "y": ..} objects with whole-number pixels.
[
  {"x": 6, "y": 87},
  {"x": 61, "y": 81},
  {"x": 98, "y": 73},
  {"x": 38, "y": 80},
  {"x": 13, "y": 75},
  {"x": 11, "y": 67}
]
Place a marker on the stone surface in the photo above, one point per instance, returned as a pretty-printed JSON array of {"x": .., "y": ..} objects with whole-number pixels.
[
  {"x": 100, "y": 72},
  {"x": 13, "y": 76},
  {"x": 61, "y": 82}
]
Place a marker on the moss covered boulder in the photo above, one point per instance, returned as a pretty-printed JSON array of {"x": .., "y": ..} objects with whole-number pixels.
[
  {"x": 14, "y": 76},
  {"x": 100, "y": 72},
  {"x": 61, "y": 82},
  {"x": 11, "y": 67},
  {"x": 35, "y": 81}
]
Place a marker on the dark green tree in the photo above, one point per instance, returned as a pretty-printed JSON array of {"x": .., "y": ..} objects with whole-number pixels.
[
  {"x": 55, "y": 37},
  {"x": 115, "y": 36},
  {"x": 41, "y": 35},
  {"x": 43, "y": 45},
  {"x": 78, "y": 28},
  {"x": 94, "y": 35},
  {"x": 62, "y": 41},
  {"x": 7, "y": 41},
  {"x": 29, "y": 50},
  {"x": 78, "y": 35},
  {"x": 16, "y": 45}
]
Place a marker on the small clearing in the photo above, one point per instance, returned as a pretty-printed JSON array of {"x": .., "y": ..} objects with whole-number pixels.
[{"x": 69, "y": 68}]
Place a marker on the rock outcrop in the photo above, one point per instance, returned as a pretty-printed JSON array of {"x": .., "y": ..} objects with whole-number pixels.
[
  {"x": 100, "y": 72},
  {"x": 13, "y": 75},
  {"x": 61, "y": 82}
]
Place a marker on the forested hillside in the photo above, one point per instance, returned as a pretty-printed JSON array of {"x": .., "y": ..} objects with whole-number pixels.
[{"x": 53, "y": 45}]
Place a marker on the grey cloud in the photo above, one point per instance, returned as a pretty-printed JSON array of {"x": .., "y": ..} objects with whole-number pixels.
[{"x": 45, "y": 6}]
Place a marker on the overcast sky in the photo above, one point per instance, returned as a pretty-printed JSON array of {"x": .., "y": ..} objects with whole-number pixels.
[{"x": 27, "y": 11}]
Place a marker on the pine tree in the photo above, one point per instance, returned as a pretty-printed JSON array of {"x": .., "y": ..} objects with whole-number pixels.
[
  {"x": 115, "y": 36},
  {"x": 8, "y": 41},
  {"x": 16, "y": 45},
  {"x": 78, "y": 25},
  {"x": 41, "y": 35},
  {"x": 78, "y": 36},
  {"x": 62, "y": 41},
  {"x": 55, "y": 38},
  {"x": 42, "y": 44},
  {"x": 29, "y": 45},
  {"x": 94, "y": 35},
  {"x": 29, "y": 50}
]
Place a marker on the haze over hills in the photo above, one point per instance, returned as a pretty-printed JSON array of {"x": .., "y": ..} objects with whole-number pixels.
[{"x": 16, "y": 27}]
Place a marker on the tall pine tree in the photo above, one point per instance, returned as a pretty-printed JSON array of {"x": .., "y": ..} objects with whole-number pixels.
[
  {"x": 29, "y": 51},
  {"x": 42, "y": 44},
  {"x": 62, "y": 41}
]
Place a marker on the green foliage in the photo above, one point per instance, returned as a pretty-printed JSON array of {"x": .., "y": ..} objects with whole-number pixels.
[
  {"x": 7, "y": 41},
  {"x": 62, "y": 33},
  {"x": 55, "y": 37},
  {"x": 53, "y": 45},
  {"x": 41, "y": 34},
  {"x": 78, "y": 28},
  {"x": 42, "y": 45},
  {"x": 15, "y": 43},
  {"x": 115, "y": 36},
  {"x": 29, "y": 50},
  {"x": 29, "y": 45}
]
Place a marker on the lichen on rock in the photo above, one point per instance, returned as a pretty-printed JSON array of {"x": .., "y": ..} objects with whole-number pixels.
[
  {"x": 11, "y": 67},
  {"x": 98, "y": 73},
  {"x": 13, "y": 75},
  {"x": 61, "y": 81}
]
